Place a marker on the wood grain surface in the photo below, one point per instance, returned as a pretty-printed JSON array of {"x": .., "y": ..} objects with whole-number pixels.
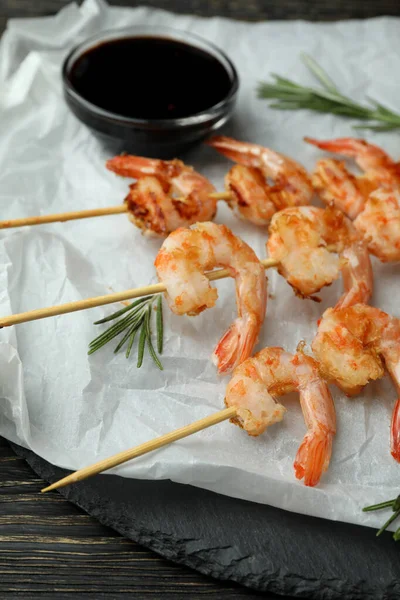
[
  {"x": 250, "y": 10},
  {"x": 48, "y": 547}
]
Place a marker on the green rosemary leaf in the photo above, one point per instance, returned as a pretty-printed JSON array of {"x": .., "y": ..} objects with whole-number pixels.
[
  {"x": 350, "y": 111},
  {"x": 387, "y": 504},
  {"x": 123, "y": 310},
  {"x": 160, "y": 325},
  {"x": 149, "y": 342},
  {"x": 381, "y": 108},
  {"x": 286, "y": 87},
  {"x": 154, "y": 355},
  {"x": 390, "y": 520},
  {"x": 96, "y": 345},
  {"x": 138, "y": 317},
  {"x": 109, "y": 331},
  {"x": 283, "y": 105},
  {"x": 142, "y": 343},
  {"x": 132, "y": 333},
  {"x": 128, "y": 334},
  {"x": 396, "y": 504},
  {"x": 376, "y": 127},
  {"x": 114, "y": 330},
  {"x": 319, "y": 73},
  {"x": 272, "y": 90},
  {"x": 286, "y": 83},
  {"x": 327, "y": 99}
]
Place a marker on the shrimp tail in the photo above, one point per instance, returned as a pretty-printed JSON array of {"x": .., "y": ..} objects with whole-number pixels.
[
  {"x": 357, "y": 275},
  {"x": 359, "y": 293},
  {"x": 240, "y": 152},
  {"x": 131, "y": 166},
  {"x": 127, "y": 165},
  {"x": 395, "y": 432},
  {"x": 346, "y": 146},
  {"x": 313, "y": 456},
  {"x": 235, "y": 346}
]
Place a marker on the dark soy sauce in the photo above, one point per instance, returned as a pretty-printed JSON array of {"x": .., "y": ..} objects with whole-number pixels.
[{"x": 150, "y": 78}]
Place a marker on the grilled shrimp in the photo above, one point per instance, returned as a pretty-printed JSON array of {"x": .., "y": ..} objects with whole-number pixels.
[
  {"x": 251, "y": 195},
  {"x": 313, "y": 245},
  {"x": 372, "y": 199},
  {"x": 166, "y": 195},
  {"x": 259, "y": 381},
  {"x": 353, "y": 345},
  {"x": 180, "y": 265},
  {"x": 335, "y": 183},
  {"x": 377, "y": 165},
  {"x": 379, "y": 223}
]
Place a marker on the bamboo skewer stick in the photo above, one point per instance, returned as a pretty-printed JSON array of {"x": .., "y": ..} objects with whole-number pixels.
[
  {"x": 159, "y": 442},
  {"x": 220, "y": 195},
  {"x": 67, "y": 216},
  {"x": 62, "y": 309},
  {"x": 82, "y": 214}
]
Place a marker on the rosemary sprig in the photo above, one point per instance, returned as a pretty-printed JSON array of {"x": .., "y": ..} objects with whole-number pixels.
[
  {"x": 148, "y": 337},
  {"x": 137, "y": 317},
  {"x": 394, "y": 504},
  {"x": 160, "y": 325},
  {"x": 327, "y": 99}
]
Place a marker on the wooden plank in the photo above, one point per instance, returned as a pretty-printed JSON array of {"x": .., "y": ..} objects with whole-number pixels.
[
  {"x": 250, "y": 10},
  {"x": 50, "y": 548}
]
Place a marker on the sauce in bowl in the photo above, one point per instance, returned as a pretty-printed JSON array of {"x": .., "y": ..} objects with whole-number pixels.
[
  {"x": 150, "y": 91},
  {"x": 150, "y": 78}
]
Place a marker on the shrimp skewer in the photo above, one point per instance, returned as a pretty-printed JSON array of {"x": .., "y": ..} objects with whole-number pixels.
[
  {"x": 377, "y": 165},
  {"x": 373, "y": 199},
  {"x": 251, "y": 398},
  {"x": 251, "y": 196},
  {"x": 253, "y": 391},
  {"x": 350, "y": 345},
  {"x": 166, "y": 195},
  {"x": 307, "y": 240},
  {"x": 335, "y": 185},
  {"x": 180, "y": 265}
]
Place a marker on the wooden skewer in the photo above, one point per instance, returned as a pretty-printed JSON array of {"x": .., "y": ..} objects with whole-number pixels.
[
  {"x": 82, "y": 214},
  {"x": 61, "y": 309},
  {"x": 159, "y": 442},
  {"x": 220, "y": 195},
  {"x": 67, "y": 216}
]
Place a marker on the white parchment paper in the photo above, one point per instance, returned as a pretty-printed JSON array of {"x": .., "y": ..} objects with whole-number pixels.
[{"x": 74, "y": 410}]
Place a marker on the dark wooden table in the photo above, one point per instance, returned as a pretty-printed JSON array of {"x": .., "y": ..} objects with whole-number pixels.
[{"x": 50, "y": 548}]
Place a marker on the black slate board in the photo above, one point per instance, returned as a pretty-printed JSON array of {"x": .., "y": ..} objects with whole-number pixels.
[{"x": 261, "y": 547}]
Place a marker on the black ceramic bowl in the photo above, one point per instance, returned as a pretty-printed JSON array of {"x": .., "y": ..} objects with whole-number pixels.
[{"x": 150, "y": 91}]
